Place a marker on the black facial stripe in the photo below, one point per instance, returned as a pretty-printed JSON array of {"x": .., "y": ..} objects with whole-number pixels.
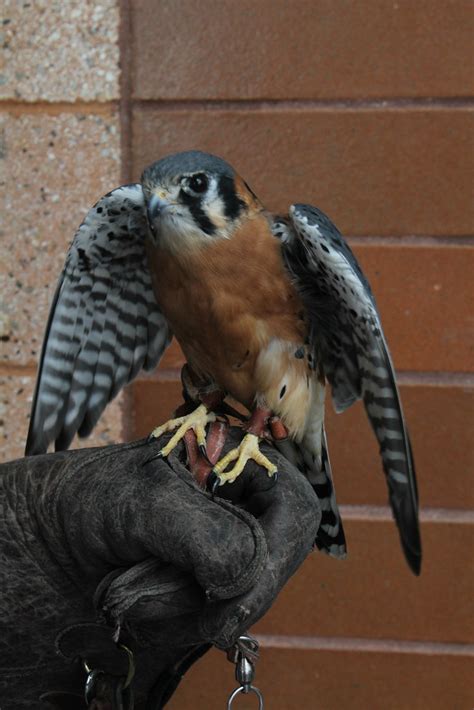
[
  {"x": 233, "y": 205},
  {"x": 198, "y": 214},
  {"x": 202, "y": 219}
]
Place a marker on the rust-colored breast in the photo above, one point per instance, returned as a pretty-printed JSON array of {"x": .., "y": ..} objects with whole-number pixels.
[{"x": 225, "y": 301}]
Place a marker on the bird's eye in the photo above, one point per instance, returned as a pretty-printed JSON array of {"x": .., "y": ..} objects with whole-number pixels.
[{"x": 198, "y": 183}]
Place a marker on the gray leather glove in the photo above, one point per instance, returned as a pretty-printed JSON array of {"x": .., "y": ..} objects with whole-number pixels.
[{"x": 98, "y": 546}]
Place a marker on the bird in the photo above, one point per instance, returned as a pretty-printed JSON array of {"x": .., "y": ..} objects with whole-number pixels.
[{"x": 269, "y": 310}]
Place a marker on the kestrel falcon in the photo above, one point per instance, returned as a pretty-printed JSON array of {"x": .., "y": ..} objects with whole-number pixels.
[{"x": 266, "y": 309}]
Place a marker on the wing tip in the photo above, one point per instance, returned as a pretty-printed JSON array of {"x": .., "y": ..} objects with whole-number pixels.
[
  {"x": 36, "y": 442},
  {"x": 33, "y": 447},
  {"x": 410, "y": 539},
  {"x": 414, "y": 559},
  {"x": 408, "y": 523}
]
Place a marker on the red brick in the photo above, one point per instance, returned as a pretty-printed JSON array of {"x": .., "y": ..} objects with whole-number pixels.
[
  {"x": 274, "y": 49},
  {"x": 153, "y": 403},
  {"x": 424, "y": 296},
  {"x": 441, "y": 432},
  {"x": 376, "y": 172},
  {"x": 334, "y": 680},
  {"x": 372, "y": 594},
  {"x": 173, "y": 358}
]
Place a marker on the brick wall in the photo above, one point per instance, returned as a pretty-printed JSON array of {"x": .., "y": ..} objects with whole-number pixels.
[{"x": 363, "y": 109}]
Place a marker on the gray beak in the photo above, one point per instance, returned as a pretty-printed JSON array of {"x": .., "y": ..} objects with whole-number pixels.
[{"x": 154, "y": 208}]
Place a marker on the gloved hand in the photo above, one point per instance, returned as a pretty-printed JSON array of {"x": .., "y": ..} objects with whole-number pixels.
[{"x": 97, "y": 543}]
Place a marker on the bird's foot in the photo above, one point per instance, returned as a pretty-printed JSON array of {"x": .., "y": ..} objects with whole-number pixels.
[
  {"x": 196, "y": 420},
  {"x": 248, "y": 450}
]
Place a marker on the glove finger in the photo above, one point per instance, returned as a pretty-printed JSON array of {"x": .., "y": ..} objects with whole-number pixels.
[
  {"x": 222, "y": 546},
  {"x": 290, "y": 515}
]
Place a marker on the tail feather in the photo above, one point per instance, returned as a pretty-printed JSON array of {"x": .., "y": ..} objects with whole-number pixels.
[
  {"x": 330, "y": 537},
  {"x": 311, "y": 458}
]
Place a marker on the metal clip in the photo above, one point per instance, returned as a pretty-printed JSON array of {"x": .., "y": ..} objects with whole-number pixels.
[
  {"x": 90, "y": 687},
  {"x": 245, "y": 646},
  {"x": 97, "y": 681},
  {"x": 244, "y": 653},
  {"x": 131, "y": 665}
]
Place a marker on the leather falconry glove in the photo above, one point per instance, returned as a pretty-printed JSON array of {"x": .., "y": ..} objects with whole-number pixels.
[{"x": 100, "y": 548}]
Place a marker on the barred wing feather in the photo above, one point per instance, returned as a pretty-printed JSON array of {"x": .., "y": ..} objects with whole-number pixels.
[
  {"x": 104, "y": 324},
  {"x": 347, "y": 338}
]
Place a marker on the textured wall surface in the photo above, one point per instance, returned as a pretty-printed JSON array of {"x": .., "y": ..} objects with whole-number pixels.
[
  {"x": 60, "y": 51},
  {"x": 364, "y": 109},
  {"x": 60, "y": 151}
]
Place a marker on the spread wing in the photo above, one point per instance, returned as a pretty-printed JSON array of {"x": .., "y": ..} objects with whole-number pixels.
[
  {"x": 347, "y": 338},
  {"x": 104, "y": 324}
]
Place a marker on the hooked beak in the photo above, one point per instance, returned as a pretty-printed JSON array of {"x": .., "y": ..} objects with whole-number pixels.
[{"x": 155, "y": 207}]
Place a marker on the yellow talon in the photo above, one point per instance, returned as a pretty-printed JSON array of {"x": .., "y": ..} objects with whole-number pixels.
[
  {"x": 248, "y": 450},
  {"x": 197, "y": 421}
]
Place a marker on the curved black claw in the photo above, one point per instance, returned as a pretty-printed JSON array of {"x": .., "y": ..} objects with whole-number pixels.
[
  {"x": 203, "y": 452},
  {"x": 212, "y": 483}
]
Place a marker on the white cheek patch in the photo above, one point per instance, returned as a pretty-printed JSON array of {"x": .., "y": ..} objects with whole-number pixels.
[
  {"x": 215, "y": 212},
  {"x": 213, "y": 205},
  {"x": 179, "y": 231}
]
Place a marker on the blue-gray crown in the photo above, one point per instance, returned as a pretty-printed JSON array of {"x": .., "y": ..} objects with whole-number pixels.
[{"x": 190, "y": 161}]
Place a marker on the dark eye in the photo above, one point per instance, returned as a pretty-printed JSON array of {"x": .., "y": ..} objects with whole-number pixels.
[{"x": 198, "y": 183}]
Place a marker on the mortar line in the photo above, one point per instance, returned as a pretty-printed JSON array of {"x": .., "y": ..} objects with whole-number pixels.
[
  {"x": 265, "y": 104},
  {"x": 364, "y": 645},
  {"x": 412, "y": 240},
  {"x": 380, "y": 513},
  {"x": 95, "y": 108}
]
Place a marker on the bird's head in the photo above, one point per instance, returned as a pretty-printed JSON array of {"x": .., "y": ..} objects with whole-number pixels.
[{"x": 193, "y": 198}]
